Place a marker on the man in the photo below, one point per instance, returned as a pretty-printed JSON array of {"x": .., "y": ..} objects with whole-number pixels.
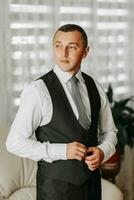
[{"x": 71, "y": 117}]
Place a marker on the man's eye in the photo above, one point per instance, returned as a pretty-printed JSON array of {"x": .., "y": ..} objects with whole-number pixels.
[
  {"x": 58, "y": 46},
  {"x": 73, "y": 47}
]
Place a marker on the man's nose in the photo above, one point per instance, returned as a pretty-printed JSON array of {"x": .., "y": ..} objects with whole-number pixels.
[{"x": 65, "y": 52}]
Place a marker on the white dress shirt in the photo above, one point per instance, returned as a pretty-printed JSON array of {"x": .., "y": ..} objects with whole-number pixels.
[{"x": 36, "y": 110}]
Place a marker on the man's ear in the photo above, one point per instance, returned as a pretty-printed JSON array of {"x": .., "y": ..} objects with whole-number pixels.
[{"x": 86, "y": 52}]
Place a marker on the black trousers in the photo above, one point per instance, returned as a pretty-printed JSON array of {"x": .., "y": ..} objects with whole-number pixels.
[{"x": 51, "y": 189}]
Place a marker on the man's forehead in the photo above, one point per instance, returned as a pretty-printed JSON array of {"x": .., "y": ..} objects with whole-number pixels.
[{"x": 70, "y": 35}]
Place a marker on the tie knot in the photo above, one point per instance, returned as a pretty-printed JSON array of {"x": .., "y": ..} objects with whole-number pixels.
[{"x": 74, "y": 80}]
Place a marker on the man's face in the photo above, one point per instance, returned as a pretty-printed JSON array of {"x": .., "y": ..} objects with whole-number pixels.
[{"x": 69, "y": 51}]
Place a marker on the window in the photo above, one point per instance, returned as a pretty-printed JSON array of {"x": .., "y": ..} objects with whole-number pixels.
[{"x": 31, "y": 27}]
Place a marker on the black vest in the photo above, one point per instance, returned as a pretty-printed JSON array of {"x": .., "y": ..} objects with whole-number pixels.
[{"x": 65, "y": 128}]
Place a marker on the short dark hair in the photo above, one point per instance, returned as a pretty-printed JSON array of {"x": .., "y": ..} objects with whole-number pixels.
[{"x": 74, "y": 27}]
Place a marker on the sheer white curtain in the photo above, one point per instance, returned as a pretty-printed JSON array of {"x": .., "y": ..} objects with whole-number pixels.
[
  {"x": 4, "y": 54},
  {"x": 31, "y": 25},
  {"x": 26, "y": 30}
]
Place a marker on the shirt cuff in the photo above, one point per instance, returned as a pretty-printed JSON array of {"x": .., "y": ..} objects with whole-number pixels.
[
  {"x": 57, "y": 151},
  {"x": 108, "y": 151}
]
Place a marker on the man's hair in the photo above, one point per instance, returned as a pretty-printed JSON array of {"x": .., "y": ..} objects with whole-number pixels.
[{"x": 74, "y": 27}]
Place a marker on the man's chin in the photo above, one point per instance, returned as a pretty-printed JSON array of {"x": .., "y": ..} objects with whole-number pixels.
[{"x": 64, "y": 68}]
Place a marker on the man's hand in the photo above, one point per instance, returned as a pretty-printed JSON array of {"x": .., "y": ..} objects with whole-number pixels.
[
  {"x": 95, "y": 159},
  {"x": 76, "y": 150}
]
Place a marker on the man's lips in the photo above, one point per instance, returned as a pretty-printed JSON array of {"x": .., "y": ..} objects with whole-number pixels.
[{"x": 64, "y": 61}]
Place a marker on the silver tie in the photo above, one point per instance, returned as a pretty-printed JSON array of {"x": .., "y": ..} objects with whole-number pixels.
[{"x": 83, "y": 120}]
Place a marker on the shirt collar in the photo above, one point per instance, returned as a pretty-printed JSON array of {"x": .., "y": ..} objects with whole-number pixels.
[{"x": 65, "y": 76}]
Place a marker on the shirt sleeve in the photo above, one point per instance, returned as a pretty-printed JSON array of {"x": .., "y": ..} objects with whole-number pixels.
[
  {"x": 28, "y": 118},
  {"x": 107, "y": 132}
]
